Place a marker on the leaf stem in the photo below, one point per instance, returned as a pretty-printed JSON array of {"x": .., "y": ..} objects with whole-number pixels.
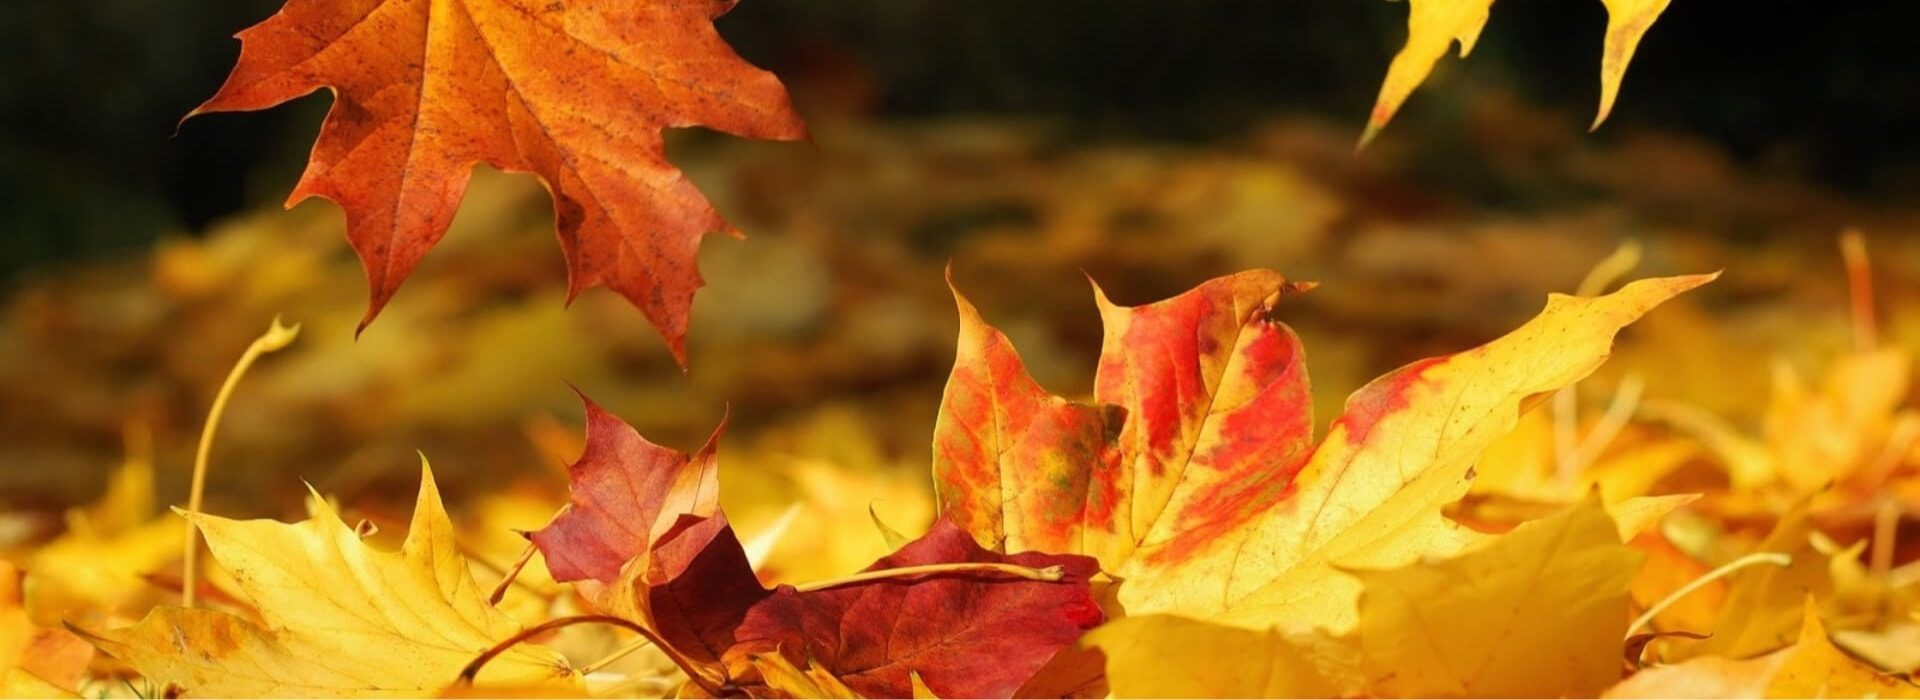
[
  {"x": 512, "y": 574},
  {"x": 1049, "y": 574},
  {"x": 1756, "y": 558},
  {"x": 603, "y": 662},
  {"x": 473, "y": 669},
  {"x": 276, "y": 337}
]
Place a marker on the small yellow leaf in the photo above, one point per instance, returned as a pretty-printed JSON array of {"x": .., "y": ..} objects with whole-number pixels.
[
  {"x": 1432, "y": 27},
  {"x": 1627, "y": 22}
]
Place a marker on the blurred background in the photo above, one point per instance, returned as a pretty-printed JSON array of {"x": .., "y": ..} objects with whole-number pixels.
[{"x": 1150, "y": 144}]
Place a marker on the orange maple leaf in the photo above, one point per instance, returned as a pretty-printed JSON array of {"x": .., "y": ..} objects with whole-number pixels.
[{"x": 574, "y": 91}]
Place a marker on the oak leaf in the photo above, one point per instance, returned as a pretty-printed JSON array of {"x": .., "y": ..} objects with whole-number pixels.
[
  {"x": 340, "y": 619},
  {"x": 1210, "y": 499},
  {"x": 576, "y": 92}
]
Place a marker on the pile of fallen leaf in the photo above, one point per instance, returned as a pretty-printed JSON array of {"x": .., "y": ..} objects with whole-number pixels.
[
  {"x": 1477, "y": 523},
  {"x": 1181, "y": 532}
]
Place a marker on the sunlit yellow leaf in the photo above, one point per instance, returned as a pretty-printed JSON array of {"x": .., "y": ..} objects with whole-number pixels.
[
  {"x": 1371, "y": 494},
  {"x": 1166, "y": 656},
  {"x": 1540, "y": 611},
  {"x": 341, "y": 619},
  {"x": 1627, "y": 22},
  {"x": 1432, "y": 27}
]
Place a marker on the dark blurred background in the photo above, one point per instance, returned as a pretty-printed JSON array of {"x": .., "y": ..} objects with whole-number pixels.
[
  {"x": 1150, "y": 144},
  {"x": 90, "y": 90}
]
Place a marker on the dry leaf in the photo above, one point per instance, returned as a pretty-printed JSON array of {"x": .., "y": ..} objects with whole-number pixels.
[
  {"x": 576, "y": 93},
  {"x": 340, "y": 618}
]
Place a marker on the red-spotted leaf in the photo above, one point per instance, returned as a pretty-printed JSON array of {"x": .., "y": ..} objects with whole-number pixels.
[
  {"x": 574, "y": 91},
  {"x": 1202, "y": 407},
  {"x": 967, "y": 635}
]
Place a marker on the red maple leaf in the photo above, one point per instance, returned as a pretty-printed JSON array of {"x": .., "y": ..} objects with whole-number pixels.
[{"x": 574, "y": 91}]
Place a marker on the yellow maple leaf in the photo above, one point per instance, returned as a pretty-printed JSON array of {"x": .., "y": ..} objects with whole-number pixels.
[
  {"x": 1540, "y": 611},
  {"x": 1168, "y": 656},
  {"x": 1812, "y": 668},
  {"x": 1371, "y": 494},
  {"x": 341, "y": 619}
]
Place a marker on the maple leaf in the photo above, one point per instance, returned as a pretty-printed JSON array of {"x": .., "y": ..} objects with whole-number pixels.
[
  {"x": 1211, "y": 500},
  {"x": 576, "y": 92},
  {"x": 339, "y": 618},
  {"x": 1812, "y": 668},
  {"x": 1540, "y": 611},
  {"x": 645, "y": 523},
  {"x": 1180, "y": 384},
  {"x": 967, "y": 635},
  {"x": 645, "y": 535},
  {"x": 1434, "y": 26}
]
